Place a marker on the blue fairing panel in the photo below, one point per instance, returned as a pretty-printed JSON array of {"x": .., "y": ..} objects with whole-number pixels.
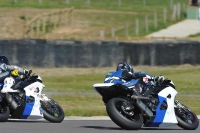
[
  {"x": 110, "y": 77},
  {"x": 118, "y": 74},
  {"x": 1, "y": 84},
  {"x": 143, "y": 73},
  {"x": 109, "y": 74},
  {"x": 117, "y": 82},
  {"x": 131, "y": 82},
  {"x": 27, "y": 110},
  {"x": 160, "y": 114}
]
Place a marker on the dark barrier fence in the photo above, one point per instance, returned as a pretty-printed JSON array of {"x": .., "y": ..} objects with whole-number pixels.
[{"x": 66, "y": 53}]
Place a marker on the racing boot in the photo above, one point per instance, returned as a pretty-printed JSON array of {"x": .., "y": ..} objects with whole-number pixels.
[{"x": 8, "y": 83}]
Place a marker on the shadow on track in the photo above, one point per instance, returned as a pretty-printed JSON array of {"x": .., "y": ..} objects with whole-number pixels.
[
  {"x": 28, "y": 121},
  {"x": 159, "y": 128},
  {"x": 115, "y": 128},
  {"x": 102, "y": 128}
]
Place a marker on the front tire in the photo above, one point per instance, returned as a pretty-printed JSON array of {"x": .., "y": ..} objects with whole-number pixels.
[
  {"x": 186, "y": 118},
  {"x": 52, "y": 111},
  {"x": 121, "y": 118}
]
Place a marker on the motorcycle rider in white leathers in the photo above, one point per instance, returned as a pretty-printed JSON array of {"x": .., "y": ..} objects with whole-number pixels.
[{"x": 9, "y": 73}]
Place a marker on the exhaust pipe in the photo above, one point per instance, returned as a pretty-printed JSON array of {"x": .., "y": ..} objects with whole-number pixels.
[
  {"x": 11, "y": 101},
  {"x": 144, "y": 108}
]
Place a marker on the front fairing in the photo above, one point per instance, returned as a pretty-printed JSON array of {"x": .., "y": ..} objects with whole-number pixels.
[
  {"x": 32, "y": 108},
  {"x": 164, "y": 114}
]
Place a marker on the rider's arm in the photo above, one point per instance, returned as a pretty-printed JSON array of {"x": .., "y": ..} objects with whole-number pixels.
[
  {"x": 3, "y": 71},
  {"x": 19, "y": 69},
  {"x": 3, "y": 75},
  {"x": 143, "y": 74},
  {"x": 127, "y": 75},
  {"x": 149, "y": 77},
  {"x": 9, "y": 68}
]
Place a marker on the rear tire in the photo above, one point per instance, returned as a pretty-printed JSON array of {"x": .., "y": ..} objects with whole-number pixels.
[
  {"x": 117, "y": 115},
  {"x": 4, "y": 113},
  {"x": 54, "y": 113}
]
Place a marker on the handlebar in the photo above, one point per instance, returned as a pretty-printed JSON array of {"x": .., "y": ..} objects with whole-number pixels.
[{"x": 26, "y": 76}]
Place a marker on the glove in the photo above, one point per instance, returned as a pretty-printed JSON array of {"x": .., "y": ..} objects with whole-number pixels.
[
  {"x": 14, "y": 73},
  {"x": 27, "y": 72},
  {"x": 159, "y": 79}
]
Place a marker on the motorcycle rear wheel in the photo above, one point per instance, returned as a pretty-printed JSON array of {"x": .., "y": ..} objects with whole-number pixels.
[
  {"x": 121, "y": 118},
  {"x": 187, "y": 120},
  {"x": 4, "y": 113},
  {"x": 52, "y": 111}
]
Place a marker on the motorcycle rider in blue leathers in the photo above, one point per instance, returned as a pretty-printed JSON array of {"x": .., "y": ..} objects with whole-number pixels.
[
  {"x": 124, "y": 73},
  {"x": 9, "y": 73}
]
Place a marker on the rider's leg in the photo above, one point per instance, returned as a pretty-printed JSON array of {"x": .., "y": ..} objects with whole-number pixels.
[{"x": 8, "y": 83}]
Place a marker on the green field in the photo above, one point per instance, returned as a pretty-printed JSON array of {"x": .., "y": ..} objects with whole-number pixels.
[
  {"x": 92, "y": 105},
  {"x": 76, "y": 80},
  {"x": 90, "y": 19},
  {"x": 124, "y": 5},
  {"x": 186, "y": 78}
]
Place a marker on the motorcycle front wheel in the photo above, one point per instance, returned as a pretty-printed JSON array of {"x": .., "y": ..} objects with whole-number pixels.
[
  {"x": 186, "y": 118},
  {"x": 52, "y": 111},
  {"x": 129, "y": 120}
]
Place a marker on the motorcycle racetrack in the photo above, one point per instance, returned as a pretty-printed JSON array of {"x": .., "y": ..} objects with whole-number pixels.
[{"x": 79, "y": 125}]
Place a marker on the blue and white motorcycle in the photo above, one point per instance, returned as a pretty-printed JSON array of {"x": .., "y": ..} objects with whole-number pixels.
[
  {"x": 28, "y": 102},
  {"x": 156, "y": 107}
]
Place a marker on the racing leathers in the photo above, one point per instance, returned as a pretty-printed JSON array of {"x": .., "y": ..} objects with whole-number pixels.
[
  {"x": 8, "y": 75},
  {"x": 123, "y": 76}
]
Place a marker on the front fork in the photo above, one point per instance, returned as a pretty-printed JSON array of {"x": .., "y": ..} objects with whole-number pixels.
[
  {"x": 182, "y": 111},
  {"x": 177, "y": 104},
  {"x": 43, "y": 97}
]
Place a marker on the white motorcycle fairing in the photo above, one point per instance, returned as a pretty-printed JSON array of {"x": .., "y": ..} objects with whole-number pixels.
[
  {"x": 33, "y": 108},
  {"x": 165, "y": 117}
]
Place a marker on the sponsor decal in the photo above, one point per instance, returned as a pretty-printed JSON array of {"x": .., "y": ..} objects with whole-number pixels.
[
  {"x": 32, "y": 88},
  {"x": 126, "y": 83},
  {"x": 36, "y": 90},
  {"x": 145, "y": 79},
  {"x": 40, "y": 110},
  {"x": 109, "y": 73}
]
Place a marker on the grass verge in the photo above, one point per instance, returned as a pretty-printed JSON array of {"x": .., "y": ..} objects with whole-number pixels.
[
  {"x": 109, "y": 16},
  {"x": 92, "y": 105},
  {"x": 185, "y": 77}
]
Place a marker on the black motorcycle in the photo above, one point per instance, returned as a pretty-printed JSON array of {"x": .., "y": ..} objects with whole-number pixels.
[{"x": 156, "y": 107}]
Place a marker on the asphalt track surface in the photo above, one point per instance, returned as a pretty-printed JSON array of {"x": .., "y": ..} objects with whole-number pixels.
[{"x": 74, "y": 125}]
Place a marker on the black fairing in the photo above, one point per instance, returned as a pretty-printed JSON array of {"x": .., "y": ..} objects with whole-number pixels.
[
  {"x": 165, "y": 83},
  {"x": 18, "y": 112},
  {"x": 113, "y": 91},
  {"x": 23, "y": 84}
]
